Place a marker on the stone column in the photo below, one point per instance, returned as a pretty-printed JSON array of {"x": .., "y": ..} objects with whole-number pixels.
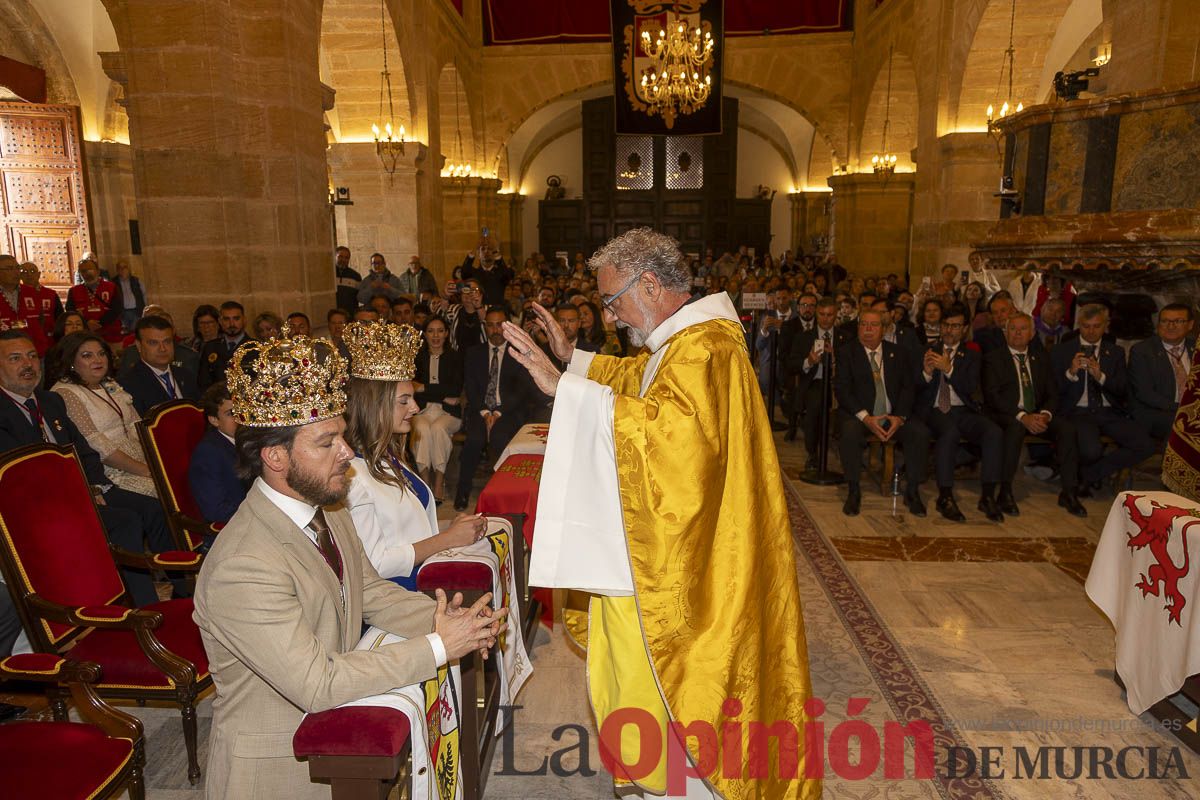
[
  {"x": 384, "y": 215},
  {"x": 809, "y": 218},
  {"x": 872, "y": 221},
  {"x": 468, "y": 206},
  {"x": 955, "y": 206},
  {"x": 224, "y": 103}
]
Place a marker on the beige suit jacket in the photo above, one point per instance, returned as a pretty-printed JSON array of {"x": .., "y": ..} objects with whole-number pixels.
[{"x": 280, "y": 644}]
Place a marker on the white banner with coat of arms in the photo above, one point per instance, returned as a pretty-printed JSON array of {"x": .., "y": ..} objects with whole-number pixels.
[{"x": 1142, "y": 579}]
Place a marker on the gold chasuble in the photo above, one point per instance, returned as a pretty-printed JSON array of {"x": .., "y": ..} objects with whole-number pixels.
[{"x": 695, "y": 611}]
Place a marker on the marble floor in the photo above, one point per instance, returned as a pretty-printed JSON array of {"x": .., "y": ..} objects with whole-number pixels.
[{"x": 981, "y": 630}]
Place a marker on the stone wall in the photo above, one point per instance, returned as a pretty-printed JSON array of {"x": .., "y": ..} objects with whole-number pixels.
[{"x": 871, "y": 220}]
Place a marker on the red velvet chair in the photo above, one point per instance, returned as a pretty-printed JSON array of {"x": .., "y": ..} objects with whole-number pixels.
[
  {"x": 170, "y": 432},
  {"x": 89, "y": 760},
  {"x": 59, "y": 567},
  {"x": 359, "y": 750}
]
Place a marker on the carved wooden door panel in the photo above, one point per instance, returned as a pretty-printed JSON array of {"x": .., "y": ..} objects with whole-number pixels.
[{"x": 43, "y": 197}]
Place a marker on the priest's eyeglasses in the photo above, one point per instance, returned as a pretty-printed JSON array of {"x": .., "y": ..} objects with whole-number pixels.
[{"x": 607, "y": 305}]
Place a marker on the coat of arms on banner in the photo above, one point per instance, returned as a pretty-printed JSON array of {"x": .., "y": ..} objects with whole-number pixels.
[
  {"x": 668, "y": 66},
  {"x": 1154, "y": 531},
  {"x": 441, "y": 720}
]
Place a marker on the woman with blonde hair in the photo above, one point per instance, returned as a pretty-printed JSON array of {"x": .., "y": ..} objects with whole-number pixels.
[{"x": 393, "y": 509}]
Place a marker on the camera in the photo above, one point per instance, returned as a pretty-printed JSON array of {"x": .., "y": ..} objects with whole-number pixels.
[{"x": 1069, "y": 85}]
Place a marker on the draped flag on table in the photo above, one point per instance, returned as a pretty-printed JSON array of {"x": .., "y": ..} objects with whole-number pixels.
[
  {"x": 495, "y": 552},
  {"x": 433, "y": 709},
  {"x": 635, "y": 113}
]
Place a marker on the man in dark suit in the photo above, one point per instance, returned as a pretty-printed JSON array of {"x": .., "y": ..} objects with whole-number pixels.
[
  {"x": 947, "y": 403},
  {"x": 804, "y": 363},
  {"x": 214, "y": 358},
  {"x": 500, "y": 397},
  {"x": 1020, "y": 396},
  {"x": 994, "y": 337},
  {"x": 1158, "y": 370},
  {"x": 153, "y": 379},
  {"x": 875, "y": 391},
  {"x": 1093, "y": 392},
  {"x": 212, "y": 472},
  {"x": 29, "y": 415}
]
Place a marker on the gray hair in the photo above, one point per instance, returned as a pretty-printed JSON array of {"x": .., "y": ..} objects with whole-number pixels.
[
  {"x": 1015, "y": 317},
  {"x": 645, "y": 250},
  {"x": 1093, "y": 311}
]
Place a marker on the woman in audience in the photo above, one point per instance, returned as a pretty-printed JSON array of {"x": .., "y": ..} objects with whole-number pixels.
[
  {"x": 592, "y": 329},
  {"x": 929, "y": 322},
  {"x": 439, "y": 388},
  {"x": 267, "y": 326},
  {"x": 101, "y": 410},
  {"x": 206, "y": 326},
  {"x": 67, "y": 323},
  {"x": 975, "y": 301},
  {"x": 393, "y": 509}
]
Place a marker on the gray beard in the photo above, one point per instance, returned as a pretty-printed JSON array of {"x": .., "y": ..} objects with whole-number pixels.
[{"x": 637, "y": 337}]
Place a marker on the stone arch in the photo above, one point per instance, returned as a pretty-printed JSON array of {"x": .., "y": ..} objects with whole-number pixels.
[
  {"x": 904, "y": 107},
  {"x": 25, "y": 36},
  {"x": 351, "y": 60},
  {"x": 975, "y": 79}
]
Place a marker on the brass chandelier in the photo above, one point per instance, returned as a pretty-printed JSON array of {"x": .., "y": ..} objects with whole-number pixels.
[
  {"x": 883, "y": 162},
  {"x": 678, "y": 80},
  {"x": 389, "y": 139},
  {"x": 1009, "y": 65}
]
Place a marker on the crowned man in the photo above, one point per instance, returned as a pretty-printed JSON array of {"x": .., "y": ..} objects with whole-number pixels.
[
  {"x": 284, "y": 592},
  {"x": 662, "y": 497}
]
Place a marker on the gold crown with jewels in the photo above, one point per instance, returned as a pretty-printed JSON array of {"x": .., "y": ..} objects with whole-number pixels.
[
  {"x": 382, "y": 351},
  {"x": 282, "y": 382}
]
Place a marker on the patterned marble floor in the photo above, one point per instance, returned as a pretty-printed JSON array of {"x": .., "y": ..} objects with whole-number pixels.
[{"x": 982, "y": 630}]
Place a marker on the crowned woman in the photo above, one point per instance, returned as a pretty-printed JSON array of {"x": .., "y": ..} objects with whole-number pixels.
[{"x": 393, "y": 509}]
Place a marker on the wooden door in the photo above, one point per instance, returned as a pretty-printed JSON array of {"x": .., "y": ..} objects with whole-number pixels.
[{"x": 43, "y": 197}]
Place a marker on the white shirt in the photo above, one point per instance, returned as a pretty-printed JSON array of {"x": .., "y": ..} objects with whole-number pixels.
[
  {"x": 887, "y": 403},
  {"x": 1017, "y": 366},
  {"x": 20, "y": 401},
  {"x": 1185, "y": 357},
  {"x": 955, "y": 400},
  {"x": 498, "y": 349},
  {"x": 301, "y": 513},
  {"x": 1083, "y": 397}
]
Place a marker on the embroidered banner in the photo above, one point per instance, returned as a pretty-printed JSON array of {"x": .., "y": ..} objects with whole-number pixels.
[
  {"x": 637, "y": 113},
  {"x": 551, "y": 21}
]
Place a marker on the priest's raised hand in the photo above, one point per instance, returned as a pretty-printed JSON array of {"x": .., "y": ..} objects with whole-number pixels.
[
  {"x": 562, "y": 347},
  {"x": 532, "y": 358}
]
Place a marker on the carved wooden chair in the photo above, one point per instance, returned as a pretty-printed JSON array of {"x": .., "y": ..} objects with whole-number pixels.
[
  {"x": 59, "y": 567},
  {"x": 170, "y": 432},
  {"x": 90, "y": 760}
]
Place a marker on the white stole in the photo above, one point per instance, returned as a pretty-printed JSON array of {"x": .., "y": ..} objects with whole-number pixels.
[{"x": 580, "y": 539}]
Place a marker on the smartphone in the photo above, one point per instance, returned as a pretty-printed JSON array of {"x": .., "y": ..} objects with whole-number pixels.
[
  {"x": 819, "y": 346},
  {"x": 485, "y": 231},
  {"x": 963, "y": 276}
]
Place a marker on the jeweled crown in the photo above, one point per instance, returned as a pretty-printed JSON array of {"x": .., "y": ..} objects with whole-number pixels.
[
  {"x": 382, "y": 351},
  {"x": 282, "y": 382}
]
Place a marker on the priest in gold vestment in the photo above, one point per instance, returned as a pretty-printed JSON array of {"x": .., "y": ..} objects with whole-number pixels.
[{"x": 662, "y": 499}]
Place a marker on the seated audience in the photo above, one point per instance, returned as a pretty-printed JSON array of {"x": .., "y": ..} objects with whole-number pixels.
[
  {"x": 267, "y": 325},
  {"x": 298, "y": 324},
  {"x": 500, "y": 398},
  {"x": 1021, "y": 396},
  {"x": 948, "y": 403},
  {"x": 929, "y": 323},
  {"x": 402, "y": 311},
  {"x": 875, "y": 392},
  {"x": 30, "y": 415},
  {"x": 214, "y": 358},
  {"x": 206, "y": 327},
  {"x": 1093, "y": 394},
  {"x": 101, "y": 409},
  {"x": 212, "y": 473},
  {"x": 1159, "y": 368},
  {"x": 393, "y": 509},
  {"x": 439, "y": 387},
  {"x": 154, "y": 378},
  {"x": 1050, "y": 323}
]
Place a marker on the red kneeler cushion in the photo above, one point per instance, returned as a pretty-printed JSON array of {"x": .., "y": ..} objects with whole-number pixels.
[
  {"x": 60, "y": 760},
  {"x": 353, "y": 731},
  {"x": 454, "y": 576},
  {"x": 121, "y": 657}
]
